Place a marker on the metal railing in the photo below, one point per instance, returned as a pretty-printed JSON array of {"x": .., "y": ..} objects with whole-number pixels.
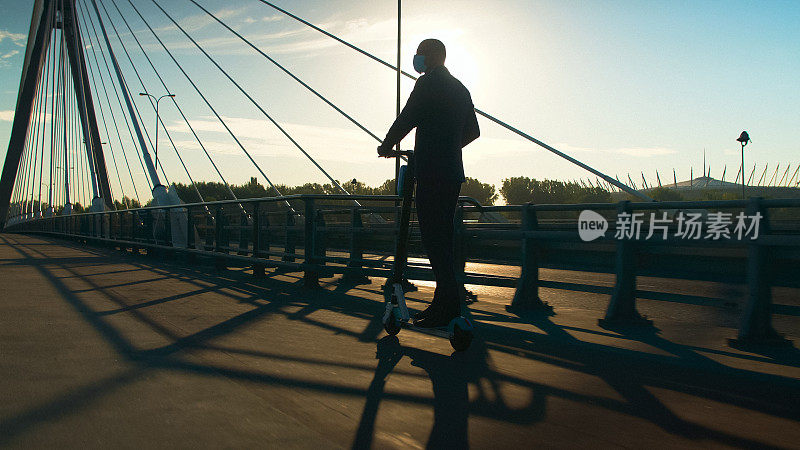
[{"x": 323, "y": 235}]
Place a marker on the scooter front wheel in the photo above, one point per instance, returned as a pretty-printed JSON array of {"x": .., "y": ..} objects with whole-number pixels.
[{"x": 392, "y": 325}]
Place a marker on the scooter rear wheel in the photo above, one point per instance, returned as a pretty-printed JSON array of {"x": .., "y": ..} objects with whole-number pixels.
[{"x": 461, "y": 334}]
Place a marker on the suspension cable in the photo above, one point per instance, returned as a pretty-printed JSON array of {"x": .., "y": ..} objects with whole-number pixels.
[
  {"x": 286, "y": 71},
  {"x": 20, "y": 182},
  {"x": 200, "y": 142},
  {"x": 32, "y": 142},
  {"x": 128, "y": 94},
  {"x": 80, "y": 180},
  {"x": 59, "y": 185},
  {"x": 52, "y": 118},
  {"x": 24, "y": 178},
  {"x": 87, "y": 16},
  {"x": 34, "y": 136},
  {"x": 65, "y": 118},
  {"x": 78, "y": 167},
  {"x": 158, "y": 118},
  {"x": 191, "y": 128},
  {"x": 108, "y": 139},
  {"x": 282, "y": 130},
  {"x": 111, "y": 111},
  {"x": 90, "y": 74},
  {"x": 497, "y": 121},
  {"x": 43, "y": 125},
  {"x": 205, "y": 99},
  {"x": 119, "y": 101}
]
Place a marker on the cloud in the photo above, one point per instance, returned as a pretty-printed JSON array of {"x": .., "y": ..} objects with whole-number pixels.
[
  {"x": 644, "y": 152},
  {"x": 197, "y": 22},
  {"x": 261, "y": 137},
  {"x": 17, "y": 38},
  {"x": 6, "y": 57},
  {"x": 6, "y": 116},
  {"x": 264, "y": 19},
  {"x": 298, "y": 40}
]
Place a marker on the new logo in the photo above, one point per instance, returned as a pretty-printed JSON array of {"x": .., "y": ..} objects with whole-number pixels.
[{"x": 591, "y": 225}]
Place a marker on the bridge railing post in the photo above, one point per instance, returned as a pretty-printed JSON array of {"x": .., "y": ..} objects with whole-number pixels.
[
  {"x": 460, "y": 250},
  {"x": 219, "y": 240},
  {"x": 106, "y": 225},
  {"x": 244, "y": 234},
  {"x": 289, "y": 242},
  {"x": 355, "y": 273},
  {"x": 168, "y": 238},
  {"x": 133, "y": 228},
  {"x": 210, "y": 231},
  {"x": 622, "y": 307},
  {"x": 258, "y": 268},
  {"x": 526, "y": 295},
  {"x": 264, "y": 233},
  {"x": 311, "y": 276},
  {"x": 756, "y": 322},
  {"x": 190, "y": 240}
]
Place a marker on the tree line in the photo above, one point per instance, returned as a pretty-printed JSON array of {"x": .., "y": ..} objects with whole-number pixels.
[{"x": 515, "y": 191}]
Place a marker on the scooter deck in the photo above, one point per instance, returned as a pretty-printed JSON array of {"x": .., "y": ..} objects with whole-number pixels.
[{"x": 437, "y": 331}]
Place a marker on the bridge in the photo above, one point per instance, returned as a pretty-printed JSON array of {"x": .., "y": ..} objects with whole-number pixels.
[{"x": 256, "y": 321}]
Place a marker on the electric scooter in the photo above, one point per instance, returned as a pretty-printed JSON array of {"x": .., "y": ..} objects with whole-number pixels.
[{"x": 396, "y": 316}]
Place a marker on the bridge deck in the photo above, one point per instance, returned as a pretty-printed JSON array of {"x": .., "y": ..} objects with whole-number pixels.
[{"x": 101, "y": 349}]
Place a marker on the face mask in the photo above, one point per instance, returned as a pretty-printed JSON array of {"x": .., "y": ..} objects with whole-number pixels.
[{"x": 419, "y": 63}]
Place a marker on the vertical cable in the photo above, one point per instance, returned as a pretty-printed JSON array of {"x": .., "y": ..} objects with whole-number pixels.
[
  {"x": 43, "y": 127},
  {"x": 185, "y": 119},
  {"x": 20, "y": 189},
  {"x": 35, "y": 136},
  {"x": 67, "y": 161},
  {"x": 152, "y": 104},
  {"x": 206, "y": 100},
  {"x": 90, "y": 21},
  {"x": 110, "y": 108},
  {"x": 250, "y": 98},
  {"x": 133, "y": 110},
  {"x": 90, "y": 76},
  {"x": 33, "y": 129},
  {"x": 52, "y": 118}
]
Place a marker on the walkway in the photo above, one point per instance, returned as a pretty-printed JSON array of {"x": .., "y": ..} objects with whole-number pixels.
[{"x": 102, "y": 349}]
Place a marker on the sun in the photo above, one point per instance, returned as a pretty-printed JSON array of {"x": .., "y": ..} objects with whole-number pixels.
[
  {"x": 462, "y": 65},
  {"x": 459, "y": 61}
]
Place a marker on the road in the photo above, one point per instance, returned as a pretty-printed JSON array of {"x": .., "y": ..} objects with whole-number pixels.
[{"x": 103, "y": 349}]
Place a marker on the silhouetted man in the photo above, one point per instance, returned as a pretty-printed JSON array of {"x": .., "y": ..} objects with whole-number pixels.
[{"x": 441, "y": 109}]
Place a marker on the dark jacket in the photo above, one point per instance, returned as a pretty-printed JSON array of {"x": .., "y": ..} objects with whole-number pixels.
[{"x": 441, "y": 109}]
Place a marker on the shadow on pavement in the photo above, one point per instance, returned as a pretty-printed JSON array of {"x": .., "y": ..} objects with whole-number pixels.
[{"x": 628, "y": 372}]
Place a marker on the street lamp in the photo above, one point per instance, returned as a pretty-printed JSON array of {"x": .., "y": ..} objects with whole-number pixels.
[
  {"x": 743, "y": 139},
  {"x": 157, "y": 100}
]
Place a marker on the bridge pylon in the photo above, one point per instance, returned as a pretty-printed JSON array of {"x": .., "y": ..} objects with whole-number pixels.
[{"x": 49, "y": 15}]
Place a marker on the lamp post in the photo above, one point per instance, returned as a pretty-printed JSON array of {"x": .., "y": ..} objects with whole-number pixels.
[
  {"x": 157, "y": 100},
  {"x": 743, "y": 139}
]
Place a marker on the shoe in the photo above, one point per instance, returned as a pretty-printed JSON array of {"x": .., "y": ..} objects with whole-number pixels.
[
  {"x": 432, "y": 309},
  {"x": 436, "y": 320}
]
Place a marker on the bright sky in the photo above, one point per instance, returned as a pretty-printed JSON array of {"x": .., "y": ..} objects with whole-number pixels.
[{"x": 624, "y": 86}]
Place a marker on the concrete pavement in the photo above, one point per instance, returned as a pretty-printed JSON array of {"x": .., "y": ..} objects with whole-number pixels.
[{"x": 103, "y": 349}]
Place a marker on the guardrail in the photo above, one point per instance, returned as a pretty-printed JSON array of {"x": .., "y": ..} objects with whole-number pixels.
[{"x": 323, "y": 235}]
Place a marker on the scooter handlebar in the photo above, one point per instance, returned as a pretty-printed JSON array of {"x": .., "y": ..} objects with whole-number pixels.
[{"x": 395, "y": 153}]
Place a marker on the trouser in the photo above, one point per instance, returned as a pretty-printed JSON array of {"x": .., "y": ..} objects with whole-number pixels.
[{"x": 436, "y": 206}]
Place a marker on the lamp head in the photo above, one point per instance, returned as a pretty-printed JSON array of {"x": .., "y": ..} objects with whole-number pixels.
[
  {"x": 744, "y": 138},
  {"x": 142, "y": 93}
]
